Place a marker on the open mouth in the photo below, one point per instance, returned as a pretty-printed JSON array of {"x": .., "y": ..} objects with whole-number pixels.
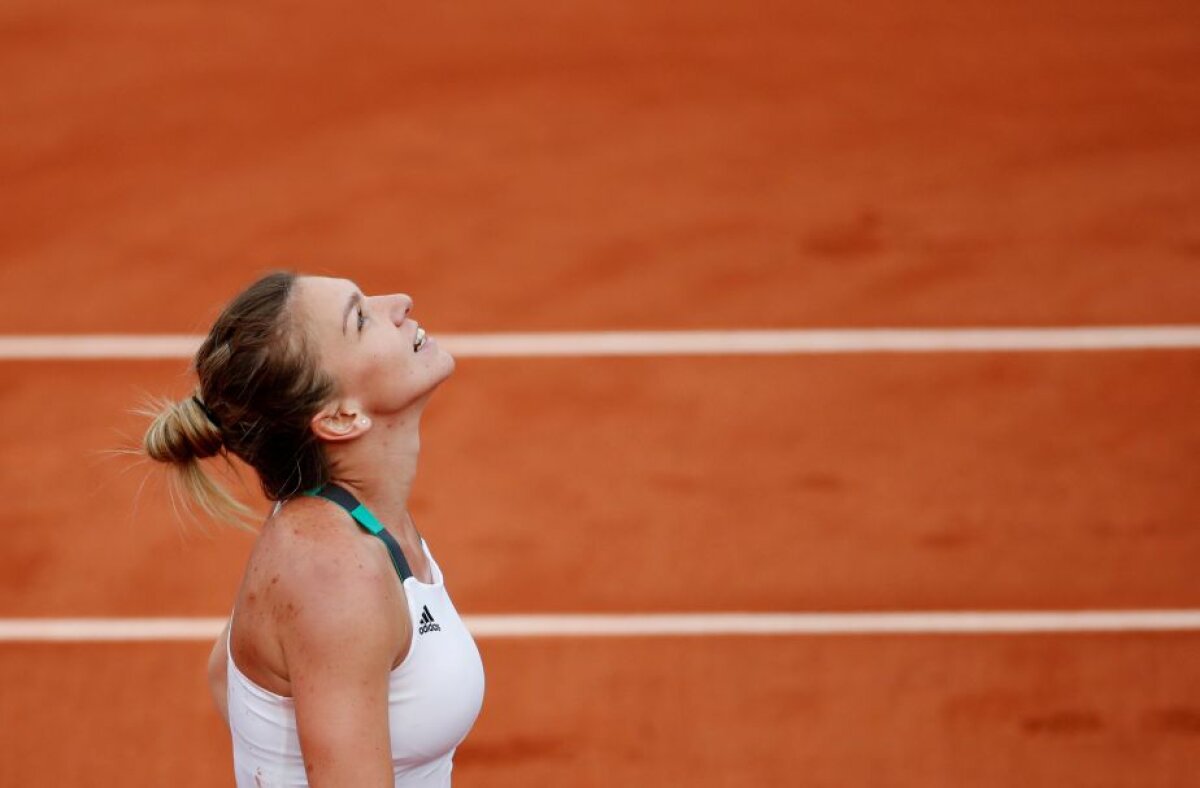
[{"x": 419, "y": 339}]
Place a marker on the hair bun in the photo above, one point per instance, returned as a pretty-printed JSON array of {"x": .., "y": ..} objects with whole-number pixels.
[{"x": 181, "y": 433}]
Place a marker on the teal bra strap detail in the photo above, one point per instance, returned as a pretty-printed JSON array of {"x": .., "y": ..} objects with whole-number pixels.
[
  {"x": 367, "y": 520},
  {"x": 369, "y": 523}
]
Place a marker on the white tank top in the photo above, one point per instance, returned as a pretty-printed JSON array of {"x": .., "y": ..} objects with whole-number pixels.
[{"x": 434, "y": 696}]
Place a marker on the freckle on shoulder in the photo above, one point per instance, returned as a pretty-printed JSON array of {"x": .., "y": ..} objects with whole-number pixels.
[
  {"x": 306, "y": 521},
  {"x": 319, "y": 547}
]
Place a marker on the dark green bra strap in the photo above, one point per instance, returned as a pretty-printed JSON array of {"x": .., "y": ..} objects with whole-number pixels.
[{"x": 362, "y": 515}]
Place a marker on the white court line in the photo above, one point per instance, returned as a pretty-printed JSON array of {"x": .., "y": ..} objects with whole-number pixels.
[
  {"x": 43, "y": 630},
  {"x": 667, "y": 343}
]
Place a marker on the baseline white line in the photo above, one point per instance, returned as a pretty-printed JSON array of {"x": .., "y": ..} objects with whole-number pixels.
[
  {"x": 43, "y": 630},
  {"x": 666, "y": 343}
]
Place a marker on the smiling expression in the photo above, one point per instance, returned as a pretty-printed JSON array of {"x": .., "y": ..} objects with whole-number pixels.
[{"x": 382, "y": 360}]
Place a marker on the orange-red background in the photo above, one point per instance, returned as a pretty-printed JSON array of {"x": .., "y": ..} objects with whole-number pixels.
[{"x": 595, "y": 165}]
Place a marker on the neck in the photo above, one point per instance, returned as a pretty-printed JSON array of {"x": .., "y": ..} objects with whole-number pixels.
[{"x": 379, "y": 468}]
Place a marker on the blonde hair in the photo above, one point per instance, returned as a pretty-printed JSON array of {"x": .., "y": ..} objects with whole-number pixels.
[
  {"x": 259, "y": 387},
  {"x": 182, "y": 434}
]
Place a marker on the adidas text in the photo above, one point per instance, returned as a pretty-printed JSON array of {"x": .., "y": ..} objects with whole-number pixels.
[{"x": 427, "y": 622}]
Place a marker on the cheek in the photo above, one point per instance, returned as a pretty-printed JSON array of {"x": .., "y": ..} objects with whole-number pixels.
[
  {"x": 394, "y": 377},
  {"x": 389, "y": 376}
]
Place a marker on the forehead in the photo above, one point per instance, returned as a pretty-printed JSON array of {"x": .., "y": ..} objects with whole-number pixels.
[
  {"x": 318, "y": 291},
  {"x": 322, "y": 299}
]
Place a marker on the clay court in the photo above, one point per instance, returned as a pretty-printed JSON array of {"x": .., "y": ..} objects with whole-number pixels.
[{"x": 535, "y": 167}]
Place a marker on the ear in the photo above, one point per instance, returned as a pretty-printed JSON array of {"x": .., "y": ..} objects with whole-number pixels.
[{"x": 340, "y": 422}]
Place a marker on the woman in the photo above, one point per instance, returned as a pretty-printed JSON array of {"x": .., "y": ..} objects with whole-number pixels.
[{"x": 344, "y": 662}]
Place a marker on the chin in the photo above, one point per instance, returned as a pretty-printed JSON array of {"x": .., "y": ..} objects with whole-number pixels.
[{"x": 441, "y": 371}]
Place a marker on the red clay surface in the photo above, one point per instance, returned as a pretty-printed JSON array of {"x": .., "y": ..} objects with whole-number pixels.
[
  {"x": 600, "y": 164},
  {"x": 888, "y": 482},
  {"x": 634, "y": 165},
  {"x": 988, "y": 712}
]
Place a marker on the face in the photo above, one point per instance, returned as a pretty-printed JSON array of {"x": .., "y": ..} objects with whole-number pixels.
[{"x": 367, "y": 344}]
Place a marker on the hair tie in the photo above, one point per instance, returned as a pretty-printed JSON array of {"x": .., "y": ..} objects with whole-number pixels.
[{"x": 211, "y": 416}]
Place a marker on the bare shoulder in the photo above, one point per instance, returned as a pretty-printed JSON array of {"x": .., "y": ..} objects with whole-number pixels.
[{"x": 329, "y": 581}]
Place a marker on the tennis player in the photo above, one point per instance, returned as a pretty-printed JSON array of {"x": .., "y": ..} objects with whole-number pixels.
[{"x": 344, "y": 662}]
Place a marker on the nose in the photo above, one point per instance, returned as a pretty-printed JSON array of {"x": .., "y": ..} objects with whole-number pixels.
[{"x": 401, "y": 305}]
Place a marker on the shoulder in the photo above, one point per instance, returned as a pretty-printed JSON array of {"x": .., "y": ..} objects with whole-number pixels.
[
  {"x": 313, "y": 535},
  {"x": 332, "y": 585}
]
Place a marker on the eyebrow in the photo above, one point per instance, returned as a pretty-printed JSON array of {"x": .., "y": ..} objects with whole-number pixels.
[{"x": 355, "y": 298}]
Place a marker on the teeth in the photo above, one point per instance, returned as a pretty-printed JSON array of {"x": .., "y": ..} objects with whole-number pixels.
[{"x": 419, "y": 341}]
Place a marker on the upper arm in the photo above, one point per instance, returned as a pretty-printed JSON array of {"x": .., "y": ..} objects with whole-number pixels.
[
  {"x": 217, "y": 668},
  {"x": 339, "y": 632}
]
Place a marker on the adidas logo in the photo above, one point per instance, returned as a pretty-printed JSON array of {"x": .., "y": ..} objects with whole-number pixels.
[{"x": 427, "y": 622}]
